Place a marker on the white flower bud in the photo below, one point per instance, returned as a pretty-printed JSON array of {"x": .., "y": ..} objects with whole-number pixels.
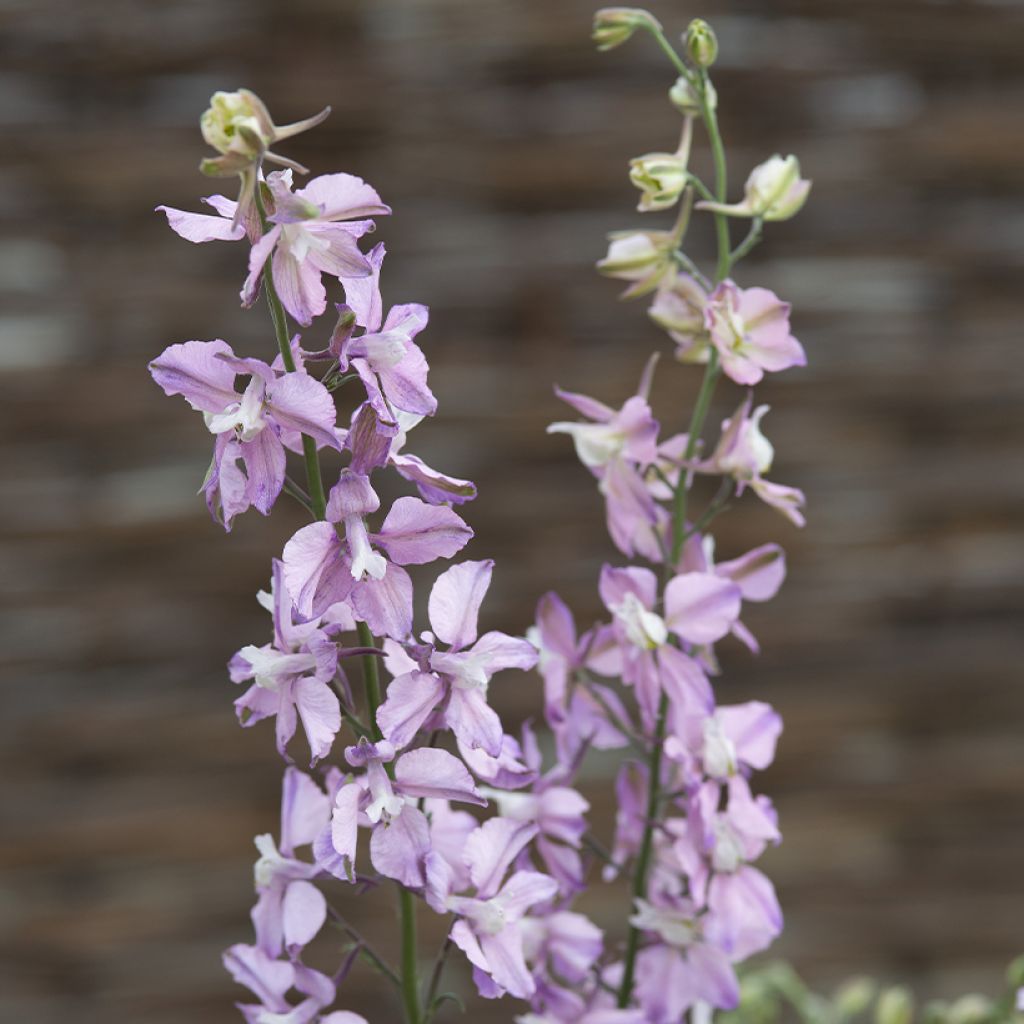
[
  {"x": 614, "y": 25},
  {"x": 661, "y": 177}
]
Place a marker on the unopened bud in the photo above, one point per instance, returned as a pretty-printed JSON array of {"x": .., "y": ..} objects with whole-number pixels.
[
  {"x": 661, "y": 177},
  {"x": 774, "y": 191},
  {"x": 614, "y": 25},
  {"x": 895, "y": 1006},
  {"x": 685, "y": 97},
  {"x": 237, "y": 123},
  {"x": 641, "y": 257},
  {"x": 701, "y": 44}
]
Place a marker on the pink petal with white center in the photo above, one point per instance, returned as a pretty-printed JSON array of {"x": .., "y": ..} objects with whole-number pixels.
[
  {"x": 305, "y": 809},
  {"x": 299, "y": 402},
  {"x": 194, "y": 371},
  {"x": 754, "y": 729},
  {"x": 258, "y": 256},
  {"x": 343, "y": 197},
  {"x": 766, "y": 321},
  {"x": 320, "y": 712},
  {"x": 410, "y": 700},
  {"x": 385, "y": 605},
  {"x": 506, "y": 963},
  {"x": 759, "y": 573},
  {"x": 414, "y": 533},
  {"x": 492, "y": 848},
  {"x": 201, "y": 227},
  {"x": 455, "y": 600},
  {"x": 615, "y": 584},
  {"x": 701, "y": 607},
  {"x": 397, "y": 848},
  {"x": 431, "y": 772},
  {"x": 304, "y": 911}
]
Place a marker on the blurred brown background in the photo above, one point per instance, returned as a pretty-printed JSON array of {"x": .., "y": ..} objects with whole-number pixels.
[{"x": 501, "y": 137}]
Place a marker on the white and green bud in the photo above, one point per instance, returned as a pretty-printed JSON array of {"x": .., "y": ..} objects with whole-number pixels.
[
  {"x": 661, "y": 178},
  {"x": 701, "y": 43},
  {"x": 895, "y": 1006},
  {"x": 774, "y": 191},
  {"x": 615, "y": 25},
  {"x": 642, "y": 257},
  {"x": 237, "y": 123},
  {"x": 685, "y": 97}
]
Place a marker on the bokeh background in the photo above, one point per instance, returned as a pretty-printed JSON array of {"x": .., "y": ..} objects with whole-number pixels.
[{"x": 500, "y": 137}]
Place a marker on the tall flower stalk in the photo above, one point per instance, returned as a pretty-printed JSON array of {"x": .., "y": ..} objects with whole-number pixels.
[{"x": 689, "y": 826}]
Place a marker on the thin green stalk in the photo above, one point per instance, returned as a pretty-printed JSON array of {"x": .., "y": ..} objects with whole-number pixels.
[
  {"x": 748, "y": 243},
  {"x": 646, "y": 846},
  {"x": 410, "y": 983},
  {"x": 669, "y": 49},
  {"x": 435, "y": 977},
  {"x": 721, "y": 177},
  {"x": 371, "y": 677}
]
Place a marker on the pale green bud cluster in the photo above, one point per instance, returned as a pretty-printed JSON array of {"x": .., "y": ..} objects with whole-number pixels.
[
  {"x": 615, "y": 25},
  {"x": 701, "y": 43},
  {"x": 661, "y": 177}
]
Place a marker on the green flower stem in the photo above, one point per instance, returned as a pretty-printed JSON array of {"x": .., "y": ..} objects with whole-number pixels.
[
  {"x": 748, "y": 243},
  {"x": 410, "y": 981},
  {"x": 680, "y": 498},
  {"x": 643, "y": 862},
  {"x": 670, "y": 50}
]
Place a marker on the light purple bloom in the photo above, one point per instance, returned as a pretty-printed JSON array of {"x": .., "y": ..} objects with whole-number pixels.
[
  {"x": 252, "y": 428},
  {"x": 270, "y": 981},
  {"x": 321, "y": 569},
  {"x": 400, "y": 839},
  {"x": 750, "y": 329},
  {"x": 489, "y": 926},
  {"x": 460, "y": 675},
  {"x": 314, "y": 233}
]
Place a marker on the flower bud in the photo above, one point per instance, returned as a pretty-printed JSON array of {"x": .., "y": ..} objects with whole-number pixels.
[
  {"x": 643, "y": 257},
  {"x": 895, "y": 1006},
  {"x": 701, "y": 44},
  {"x": 685, "y": 97},
  {"x": 661, "y": 177},
  {"x": 774, "y": 191},
  {"x": 237, "y": 123},
  {"x": 614, "y": 25}
]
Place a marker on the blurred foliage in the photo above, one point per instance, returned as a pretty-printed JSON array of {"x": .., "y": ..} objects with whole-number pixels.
[{"x": 775, "y": 994}]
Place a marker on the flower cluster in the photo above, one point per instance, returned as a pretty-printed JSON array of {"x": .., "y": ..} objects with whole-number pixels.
[
  {"x": 690, "y": 826},
  {"x": 341, "y": 593}
]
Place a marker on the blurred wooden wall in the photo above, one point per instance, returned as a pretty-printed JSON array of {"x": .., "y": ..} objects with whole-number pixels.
[{"x": 501, "y": 138}]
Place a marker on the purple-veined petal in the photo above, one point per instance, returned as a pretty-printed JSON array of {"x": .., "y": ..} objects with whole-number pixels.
[
  {"x": 398, "y": 847},
  {"x": 193, "y": 370},
  {"x": 504, "y": 953},
  {"x": 258, "y": 256},
  {"x": 362, "y": 294},
  {"x": 410, "y": 699},
  {"x": 474, "y": 722},
  {"x": 343, "y": 833},
  {"x": 759, "y": 573},
  {"x": 320, "y": 712},
  {"x": 455, "y": 600},
  {"x": 701, "y": 607},
  {"x": 303, "y": 913},
  {"x": 414, "y": 533},
  {"x": 406, "y": 386},
  {"x": 754, "y": 729},
  {"x": 492, "y": 848},
  {"x": 435, "y": 487},
  {"x": 201, "y": 227},
  {"x": 300, "y": 402},
  {"x": 430, "y": 772},
  {"x": 385, "y": 605},
  {"x": 315, "y": 572},
  {"x": 557, "y": 626},
  {"x": 463, "y": 937},
  {"x": 343, "y": 197},
  {"x": 264, "y": 461},
  {"x": 298, "y": 285},
  {"x": 305, "y": 809},
  {"x": 338, "y": 253}
]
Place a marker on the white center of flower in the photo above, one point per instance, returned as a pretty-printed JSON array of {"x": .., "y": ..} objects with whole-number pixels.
[
  {"x": 645, "y": 629},
  {"x": 270, "y": 861},
  {"x": 365, "y": 561},
  {"x": 469, "y": 672},
  {"x": 728, "y": 854},
  {"x": 299, "y": 240},
  {"x": 245, "y": 418},
  {"x": 675, "y": 927},
  {"x": 719, "y": 753},
  {"x": 386, "y": 804},
  {"x": 270, "y": 666},
  {"x": 489, "y": 917},
  {"x": 384, "y": 350},
  {"x": 596, "y": 443}
]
